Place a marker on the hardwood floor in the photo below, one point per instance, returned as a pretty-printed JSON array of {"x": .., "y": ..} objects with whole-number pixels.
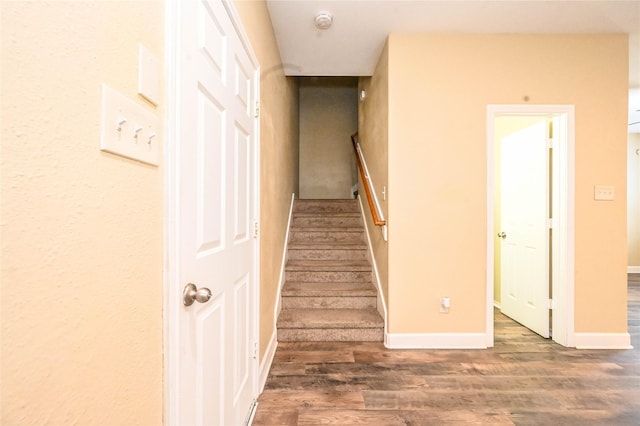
[{"x": 523, "y": 380}]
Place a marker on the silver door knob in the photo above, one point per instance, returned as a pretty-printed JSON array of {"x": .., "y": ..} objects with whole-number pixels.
[
  {"x": 502, "y": 235},
  {"x": 191, "y": 294}
]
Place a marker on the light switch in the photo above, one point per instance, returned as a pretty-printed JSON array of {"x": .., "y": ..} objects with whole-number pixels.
[
  {"x": 148, "y": 75},
  {"x": 604, "y": 193},
  {"x": 129, "y": 129}
]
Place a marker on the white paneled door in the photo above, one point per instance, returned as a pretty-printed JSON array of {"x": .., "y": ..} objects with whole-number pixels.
[
  {"x": 216, "y": 136},
  {"x": 524, "y": 227}
]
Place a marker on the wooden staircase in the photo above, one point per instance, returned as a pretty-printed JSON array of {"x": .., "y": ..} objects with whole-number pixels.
[{"x": 328, "y": 293}]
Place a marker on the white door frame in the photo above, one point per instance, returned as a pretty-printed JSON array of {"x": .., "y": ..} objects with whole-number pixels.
[
  {"x": 563, "y": 210},
  {"x": 172, "y": 287}
]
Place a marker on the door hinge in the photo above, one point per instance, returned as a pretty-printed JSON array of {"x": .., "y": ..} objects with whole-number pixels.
[
  {"x": 255, "y": 350},
  {"x": 549, "y": 143},
  {"x": 550, "y": 223},
  {"x": 550, "y": 303},
  {"x": 257, "y": 111},
  {"x": 256, "y": 229}
]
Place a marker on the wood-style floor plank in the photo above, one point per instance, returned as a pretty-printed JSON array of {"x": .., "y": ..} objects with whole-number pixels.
[{"x": 523, "y": 380}]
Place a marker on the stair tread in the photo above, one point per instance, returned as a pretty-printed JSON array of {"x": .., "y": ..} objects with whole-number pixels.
[
  {"x": 328, "y": 265},
  {"x": 329, "y": 289},
  {"x": 320, "y": 213},
  {"x": 327, "y": 245},
  {"x": 330, "y": 318}
]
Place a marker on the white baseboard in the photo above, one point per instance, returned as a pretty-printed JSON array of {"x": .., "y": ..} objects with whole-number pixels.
[
  {"x": 276, "y": 309},
  {"x": 436, "y": 341},
  {"x": 602, "y": 340},
  {"x": 267, "y": 360},
  {"x": 633, "y": 269},
  {"x": 381, "y": 302}
]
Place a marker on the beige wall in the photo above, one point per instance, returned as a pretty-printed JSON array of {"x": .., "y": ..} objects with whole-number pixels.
[
  {"x": 634, "y": 60},
  {"x": 328, "y": 118},
  {"x": 279, "y": 156},
  {"x": 373, "y": 129},
  {"x": 439, "y": 88},
  {"x": 82, "y": 230}
]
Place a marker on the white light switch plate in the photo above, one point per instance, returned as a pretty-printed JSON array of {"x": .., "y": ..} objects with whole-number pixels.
[
  {"x": 129, "y": 129},
  {"x": 604, "y": 193}
]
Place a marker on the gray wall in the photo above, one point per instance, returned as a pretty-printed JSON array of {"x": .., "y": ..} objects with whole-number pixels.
[{"x": 328, "y": 117}]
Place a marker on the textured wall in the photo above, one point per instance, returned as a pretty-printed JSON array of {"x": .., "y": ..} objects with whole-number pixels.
[
  {"x": 279, "y": 156},
  {"x": 328, "y": 118},
  {"x": 634, "y": 60},
  {"x": 373, "y": 129},
  {"x": 439, "y": 88},
  {"x": 81, "y": 229}
]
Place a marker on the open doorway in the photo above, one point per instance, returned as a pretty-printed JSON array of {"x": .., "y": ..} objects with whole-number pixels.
[{"x": 530, "y": 218}]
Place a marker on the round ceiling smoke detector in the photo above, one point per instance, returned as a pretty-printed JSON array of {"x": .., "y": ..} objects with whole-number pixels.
[{"x": 323, "y": 20}]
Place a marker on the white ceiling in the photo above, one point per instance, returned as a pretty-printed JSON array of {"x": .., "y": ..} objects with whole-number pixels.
[{"x": 352, "y": 46}]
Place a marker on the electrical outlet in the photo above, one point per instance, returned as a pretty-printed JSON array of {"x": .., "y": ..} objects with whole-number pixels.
[{"x": 129, "y": 129}]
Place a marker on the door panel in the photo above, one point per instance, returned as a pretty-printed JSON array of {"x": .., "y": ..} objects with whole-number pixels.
[
  {"x": 210, "y": 169},
  {"x": 524, "y": 216},
  {"x": 242, "y": 182},
  {"x": 210, "y": 363}
]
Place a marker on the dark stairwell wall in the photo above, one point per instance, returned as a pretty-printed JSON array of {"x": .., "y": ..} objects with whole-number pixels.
[{"x": 328, "y": 117}]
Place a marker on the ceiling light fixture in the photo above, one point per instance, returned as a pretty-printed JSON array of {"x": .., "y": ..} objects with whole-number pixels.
[{"x": 323, "y": 20}]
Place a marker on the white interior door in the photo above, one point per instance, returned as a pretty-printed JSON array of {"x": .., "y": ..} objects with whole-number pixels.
[
  {"x": 216, "y": 369},
  {"x": 524, "y": 229}
]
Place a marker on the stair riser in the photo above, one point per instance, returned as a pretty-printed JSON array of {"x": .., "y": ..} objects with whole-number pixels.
[
  {"x": 309, "y": 254},
  {"x": 330, "y": 335},
  {"x": 324, "y": 206},
  {"x": 328, "y": 276},
  {"x": 340, "y": 289},
  {"x": 294, "y": 302},
  {"x": 322, "y": 221},
  {"x": 326, "y": 237}
]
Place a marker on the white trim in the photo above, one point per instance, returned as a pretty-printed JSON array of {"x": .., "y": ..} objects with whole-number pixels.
[
  {"x": 267, "y": 360},
  {"x": 563, "y": 209},
  {"x": 171, "y": 195},
  {"x": 376, "y": 275},
  {"x": 230, "y": 7},
  {"x": 277, "y": 305},
  {"x": 489, "y": 276},
  {"x": 603, "y": 340},
  {"x": 436, "y": 341},
  {"x": 633, "y": 269}
]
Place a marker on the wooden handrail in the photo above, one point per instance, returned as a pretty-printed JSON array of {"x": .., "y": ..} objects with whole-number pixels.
[{"x": 376, "y": 211}]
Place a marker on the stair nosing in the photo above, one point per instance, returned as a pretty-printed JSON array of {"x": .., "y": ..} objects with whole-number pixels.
[{"x": 334, "y": 228}]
